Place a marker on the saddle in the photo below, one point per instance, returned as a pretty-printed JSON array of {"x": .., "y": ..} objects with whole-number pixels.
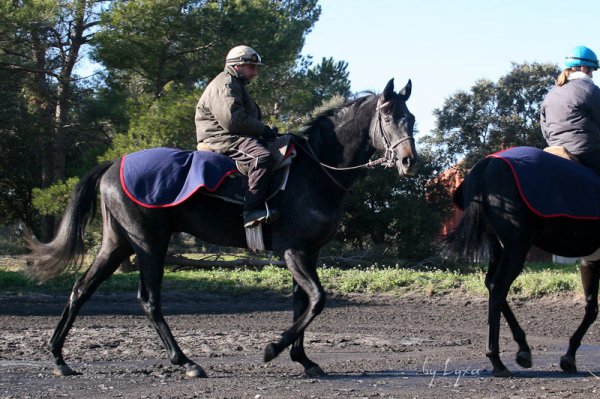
[
  {"x": 234, "y": 188},
  {"x": 562, "y": 152}
]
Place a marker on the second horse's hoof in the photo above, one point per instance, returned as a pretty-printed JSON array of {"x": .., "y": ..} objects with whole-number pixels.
[
  {"x": 524, "y": 359},
  {"x": 503, "y": 373},
  {"x": 567, "y": 364}
]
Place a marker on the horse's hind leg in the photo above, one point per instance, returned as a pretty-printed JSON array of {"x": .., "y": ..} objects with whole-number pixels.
[
  {"x": 151, "y": 275},
  {"x": 523, "y": 357},
  {"x": 507, "y": 270},
  {"x": 113, "y": 252},
  {"x": 302, "y": 265},
  {"x": 297, "y": 353},
  {"x": 590, "y": 276}
]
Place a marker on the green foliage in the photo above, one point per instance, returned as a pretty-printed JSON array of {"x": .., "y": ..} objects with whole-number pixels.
[
  {"x": 186, "y": 41},
  {"x": 493, "y": 115},
  {"x": 166, "y": 121},
  {"x": 54, "y": 199},
  {"x": 272, "y": 279},
  {"x": 391, "y": 216}
]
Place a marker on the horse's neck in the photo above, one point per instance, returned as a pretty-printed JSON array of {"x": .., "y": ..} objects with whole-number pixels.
[
  {"x": 348, "y": 143},
  {"x": 344, "y": 141}
]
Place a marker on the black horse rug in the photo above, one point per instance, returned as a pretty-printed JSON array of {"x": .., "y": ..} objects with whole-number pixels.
[{"x": 552, "y": 186}]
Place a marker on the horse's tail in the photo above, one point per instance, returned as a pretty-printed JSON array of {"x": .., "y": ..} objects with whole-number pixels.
[
  {"x": 469, "y": 240},
  {"x": 48, "y": 260}
]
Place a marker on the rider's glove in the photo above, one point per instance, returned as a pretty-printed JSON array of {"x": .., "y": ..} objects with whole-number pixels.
[{"x": 269, "y": 133}]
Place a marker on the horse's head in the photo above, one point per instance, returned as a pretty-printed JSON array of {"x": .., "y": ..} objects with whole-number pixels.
[{"x": 392, "y": 129}]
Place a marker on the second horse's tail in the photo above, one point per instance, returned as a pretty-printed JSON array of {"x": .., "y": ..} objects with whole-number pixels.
[
  {"x": 469, "y": 239},
  {"x": 48, "y": 260}
]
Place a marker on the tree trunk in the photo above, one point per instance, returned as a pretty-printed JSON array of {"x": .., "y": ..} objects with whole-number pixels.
[{"x": 64, "y": 91}]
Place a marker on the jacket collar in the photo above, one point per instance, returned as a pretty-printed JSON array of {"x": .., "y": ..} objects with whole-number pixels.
[
  {"x": 236, "y": 75},
  {"x": 579, "y": 75}
]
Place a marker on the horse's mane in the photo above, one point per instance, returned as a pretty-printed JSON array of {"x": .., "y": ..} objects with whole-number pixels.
[{"x": 342, "y": 112}]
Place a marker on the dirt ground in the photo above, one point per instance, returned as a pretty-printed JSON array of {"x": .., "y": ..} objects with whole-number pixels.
[{"x": 370, "y": 346}]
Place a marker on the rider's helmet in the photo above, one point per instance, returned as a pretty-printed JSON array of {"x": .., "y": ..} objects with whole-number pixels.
[
  {"x": 581, "y": 56},
  {"x": 240, "y": 55}
]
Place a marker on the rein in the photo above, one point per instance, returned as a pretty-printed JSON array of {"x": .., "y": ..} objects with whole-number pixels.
[{"x": 387, "y": 160}]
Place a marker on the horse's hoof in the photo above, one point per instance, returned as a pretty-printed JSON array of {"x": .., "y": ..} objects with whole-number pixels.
[
  {"x": 63, "y": 370},
  {"x": 271, "y": 353},
  {"x": 502, "y": 373},
  {"x": 195, "y": 371},
  {"x": 524, "y": 359},
  {"x": 314, "y": 371},
  {"x": 567, "y": 364}
]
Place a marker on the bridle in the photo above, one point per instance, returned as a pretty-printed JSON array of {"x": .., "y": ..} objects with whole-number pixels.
[{"x": 388, "y": 159}]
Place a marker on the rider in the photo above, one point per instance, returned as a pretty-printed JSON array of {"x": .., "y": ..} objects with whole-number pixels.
[
  {"x": 228, "y": 121},
  {"x": 570, "y": 112}
]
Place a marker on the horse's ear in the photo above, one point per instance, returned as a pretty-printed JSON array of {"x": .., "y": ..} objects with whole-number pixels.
[
  {"x": 405, "y": 92},
  {"x": 388, "y": 92}
]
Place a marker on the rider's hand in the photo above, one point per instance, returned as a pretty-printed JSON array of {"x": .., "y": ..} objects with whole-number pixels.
[{"x": 269, "y": 133}]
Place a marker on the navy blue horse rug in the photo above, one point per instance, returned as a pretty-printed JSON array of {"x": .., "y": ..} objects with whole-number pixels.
[
  {"x": 163, "y": 177},
  {"x": 552, "y": 186}
]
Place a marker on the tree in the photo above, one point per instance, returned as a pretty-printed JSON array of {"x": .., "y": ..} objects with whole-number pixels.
[
  {"x": 166, "y": 121},
  {"x": 157, "y": 42},
  {"x": 17, "y": 135},
  {"x": 398, "y": 222},
  {"x": 329, "y": 78},
  {"x": 290, "y": 98},
  {"x": 493, "y": 116},
  {"x": 40, "y": 45},
  {"x": 163, "y": 52}
]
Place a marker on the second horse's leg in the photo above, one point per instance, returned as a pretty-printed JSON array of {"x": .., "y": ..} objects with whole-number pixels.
[
  {"x": 523, "y": 357},
  {"x": 590, "y": 275}
]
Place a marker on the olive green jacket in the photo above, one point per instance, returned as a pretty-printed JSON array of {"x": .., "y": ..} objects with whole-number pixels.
[{"x": 225, "y": 112}]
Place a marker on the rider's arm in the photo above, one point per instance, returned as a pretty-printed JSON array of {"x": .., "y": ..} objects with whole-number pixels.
[{"x": 231, "y": 113}]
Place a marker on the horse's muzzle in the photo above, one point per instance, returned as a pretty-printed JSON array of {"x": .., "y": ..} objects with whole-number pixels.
[{"x": 408, "y": 165}]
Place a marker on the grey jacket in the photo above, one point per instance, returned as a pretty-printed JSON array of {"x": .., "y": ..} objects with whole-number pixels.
[
  {"x": 570, "y": 116},
  {"x": 226, "y": 111}
]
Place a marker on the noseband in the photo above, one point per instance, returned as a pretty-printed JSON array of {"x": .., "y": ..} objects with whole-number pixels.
[{"x": 388, "y": 160}]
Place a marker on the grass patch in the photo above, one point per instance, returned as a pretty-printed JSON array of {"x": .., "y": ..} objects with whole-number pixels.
[{"x": 537, "y": 280}]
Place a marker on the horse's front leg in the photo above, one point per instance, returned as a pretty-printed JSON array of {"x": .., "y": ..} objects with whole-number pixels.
[
  {"x": 302, "y": 265},
  {"x": 590, "y": 276},
  {"x": 297, "y": 353}
]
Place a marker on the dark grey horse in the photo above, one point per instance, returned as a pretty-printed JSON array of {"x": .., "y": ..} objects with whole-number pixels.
[
  {"x": 309, "y": 216},
  {"x": 497, "y": 220}
]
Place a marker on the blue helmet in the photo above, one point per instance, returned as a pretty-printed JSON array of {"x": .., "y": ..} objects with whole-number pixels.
[{"x": 581, "y": 56}]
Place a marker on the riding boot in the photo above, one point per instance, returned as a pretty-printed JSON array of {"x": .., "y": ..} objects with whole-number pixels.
[
  {"x": 252, "y": 217},
  {"x": 256, "y": 209}
]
